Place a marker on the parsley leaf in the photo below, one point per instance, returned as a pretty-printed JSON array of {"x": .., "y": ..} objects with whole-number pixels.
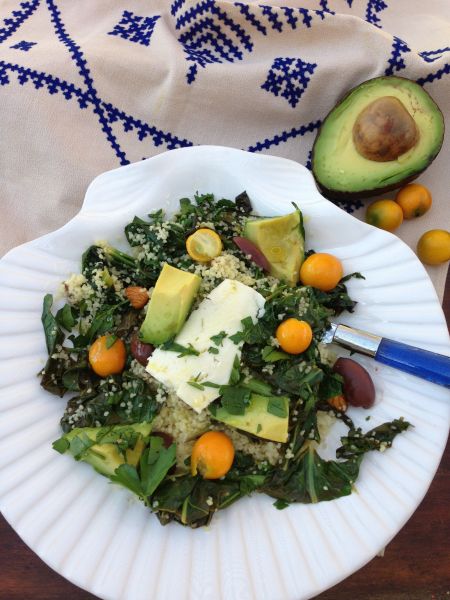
[
  {"x": 53, "y": 334},
  {"x": 60, "y": 445},
  {"x": 235, "y": 371},
  {"x": 183, "y": 350},
  {"x": 213, "y": 350},
  {"x": 277, "y": 406},
  {"x": 196, "y": 385},
  {"x": 66, "y": 317},
  {"x": 235, "y": 399},
  {"x": 110, "y": 341},
  {"x": 258, "y": 387},
  {"x": 127, "y": 476},
  {"x": 218, "y": 339},
  {"x": 155, "y": 463}
]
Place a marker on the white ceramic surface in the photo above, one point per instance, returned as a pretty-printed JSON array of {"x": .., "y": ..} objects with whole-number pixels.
[{"x": 96, "y": 534}]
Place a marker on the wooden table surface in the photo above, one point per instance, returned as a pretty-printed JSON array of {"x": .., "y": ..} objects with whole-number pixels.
[{"x": 415, "y": 566}]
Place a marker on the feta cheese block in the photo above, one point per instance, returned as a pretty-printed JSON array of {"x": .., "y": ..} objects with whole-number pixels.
[{"x": 221, "y": 311}]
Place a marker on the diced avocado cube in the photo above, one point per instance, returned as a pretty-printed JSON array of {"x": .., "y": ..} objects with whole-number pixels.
[
  {"x": 169, "y": 305},
  {"x": 265, "y": 416},
  {"x": 281, "y": 241},
  {"x": 104, "y": 454}
]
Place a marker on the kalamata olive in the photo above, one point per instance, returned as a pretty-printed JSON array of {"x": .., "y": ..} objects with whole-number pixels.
[
  {"x": 358, "y": 385},
  {"x": 140, "y": 351},
  {"x": 249, "y": 248}
]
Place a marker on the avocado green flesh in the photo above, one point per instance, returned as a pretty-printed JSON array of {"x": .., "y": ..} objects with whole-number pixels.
[
  {"x": 337, "y": 165},
  {"x": 257, "y": 420},
  {"x": 105, "y": 456},
  {"x": 169, "y": 305},
  {"x": 281, "y": 241}
]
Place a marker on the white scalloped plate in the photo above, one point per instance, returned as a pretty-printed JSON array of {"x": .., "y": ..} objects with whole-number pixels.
[{"x": 96, "y": 534}]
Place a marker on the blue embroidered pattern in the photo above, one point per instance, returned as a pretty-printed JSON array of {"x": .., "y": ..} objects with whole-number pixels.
[
  {"x": 433, "y": 76},
  {"x": 396, "y": 62},
  {"x": 250, "y": 17},
  {"x": 325, "y": 7},
  {"x": 374, "y": 7},
  {"x": 209, "y": 35},
  {"x": 267, "y": 18},
  {"x": 12, "y": 23},
  {"x": 432, "y": 55},
  {"x": 25, "y": 46},
  {"x": 284, "y": 136},
  {"x": 134, "y": 28},
  {"x": 348, "y": 205},
  {"x": 86, "y": 96},
  {"x": 308, "y": 161},
  {"x": 272, "y": 17},
  {"x": 289, "y": 78}
]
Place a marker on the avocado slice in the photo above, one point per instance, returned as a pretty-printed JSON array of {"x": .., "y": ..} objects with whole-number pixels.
[
  {"x": 383, "y": 134},
  {"x": 265, "y": 416},
  {"x": 169, "y": 305},
  {"x": 281, "y": 240},
  {"x": 104, "y": 454}
]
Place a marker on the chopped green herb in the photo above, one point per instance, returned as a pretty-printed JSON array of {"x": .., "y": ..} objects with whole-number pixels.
[
  {"x": 277, "y": 406},
  {"x": 235, "y": 399},
  {"x": 110, "y": 341},
  {"x": 218, "y": 339},
  {"x": 196, "y": 385},
  {"x": 188, "y": 350}
]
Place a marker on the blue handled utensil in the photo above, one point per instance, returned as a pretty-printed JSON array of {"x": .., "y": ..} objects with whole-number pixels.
[{"x": 421, "y": 363}]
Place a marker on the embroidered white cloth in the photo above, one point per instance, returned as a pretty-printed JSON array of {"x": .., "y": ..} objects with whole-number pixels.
[{"x": 87, "y": 86}]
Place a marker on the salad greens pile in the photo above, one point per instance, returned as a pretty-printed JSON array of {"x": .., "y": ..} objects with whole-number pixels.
[{"x": 111, "y": 416}]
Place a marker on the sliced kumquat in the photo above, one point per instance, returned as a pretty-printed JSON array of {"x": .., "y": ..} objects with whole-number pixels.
[{"x": 204, "y": 245}]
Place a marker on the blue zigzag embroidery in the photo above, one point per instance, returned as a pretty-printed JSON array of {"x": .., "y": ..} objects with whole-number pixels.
[
  {"x": 433, "y": 76},
  {"x": 308, "y": 161},
  {"x": 54, "y": 85},
  {"x": 374, "y": 7},
  {"x": 289, "y": 78},
  {"x": 284, "y": 136},
  {"x": 86, "y": 96},
  {"x": 325, "y": 7},
  {"x": 286, "y": 17},
  {"x": 134, "y": 28},
  {"x": 24, "y": 46},
  {"x": 348, "y": 205},
  {"x": 16, "y": 19},
  {"x": 432, "y": 55},
  {"x": 272, "y": 17},
  {"x": 209, "y": 36},
  {"x": 396, "y": 62}
]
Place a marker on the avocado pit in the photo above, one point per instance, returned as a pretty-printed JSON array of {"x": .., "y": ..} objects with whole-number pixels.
[{"x": 384, "y": 130}]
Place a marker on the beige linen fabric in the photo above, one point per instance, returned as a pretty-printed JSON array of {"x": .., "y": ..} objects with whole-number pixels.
[{"x": 87, "y": 86}]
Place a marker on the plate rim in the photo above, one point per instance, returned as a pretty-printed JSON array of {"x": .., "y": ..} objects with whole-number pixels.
[{"x": 74, "y": 220}]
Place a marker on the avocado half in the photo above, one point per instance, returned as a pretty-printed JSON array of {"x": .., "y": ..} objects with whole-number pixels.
[{"x": 381, "y": 135}]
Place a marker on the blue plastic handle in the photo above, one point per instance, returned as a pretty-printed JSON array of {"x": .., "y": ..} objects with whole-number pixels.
[{"x": 421, "y": 363}]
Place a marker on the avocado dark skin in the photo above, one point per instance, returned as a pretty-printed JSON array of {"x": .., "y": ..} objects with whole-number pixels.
[
  {"x": 348, "y": 195},
  {"x": 351, "y": 196}
]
